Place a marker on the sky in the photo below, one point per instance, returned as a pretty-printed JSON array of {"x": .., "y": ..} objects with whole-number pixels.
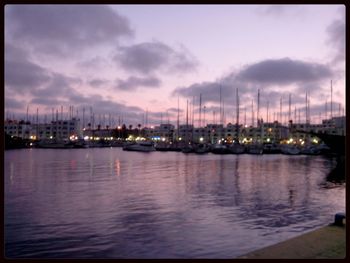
[{"x": 126, "y": 62}]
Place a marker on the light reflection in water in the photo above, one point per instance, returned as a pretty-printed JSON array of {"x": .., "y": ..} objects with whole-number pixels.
[
  {"x": 167, "y": 205},
  {"x": 117, "y": 167}
]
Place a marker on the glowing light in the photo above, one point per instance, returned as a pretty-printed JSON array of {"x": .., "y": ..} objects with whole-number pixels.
[
  {"x": 51, "y": 137},
  {"x": 163, "y": 139},
  {"x": 315, "y": 140},
  {"x": 201, "y": 139},
  {"x": 119, "y": 127},
  {"x": 268, "y": 139},
  {"x": 86, "y": 138},
  {"x": 180, "y": 139}
]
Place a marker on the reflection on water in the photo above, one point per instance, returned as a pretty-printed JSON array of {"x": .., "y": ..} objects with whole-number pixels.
[{"x": 106, "y": 203}]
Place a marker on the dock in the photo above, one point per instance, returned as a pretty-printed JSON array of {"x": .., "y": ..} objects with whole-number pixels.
[{"x": 328, "y": 242}]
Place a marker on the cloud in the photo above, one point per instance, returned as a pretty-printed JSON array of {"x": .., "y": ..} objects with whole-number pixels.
[
  {"x": 98, "y": 82},
  {"x": 133, "y": 83},
  {"x": 13, "y": 104},
  {"x": 274, "y": 78},
  {"x": 59, "y": 28},
  {"x": 284, "y": 71},
  {"x": 336, "y": 38},
  {"x": 149, "y": 57},
  {"x": 277, "y": 11},
  {"x": 23, "y": 76},
  {"x": 272, "y": 10},
  {"x": 12, "y": 52},
  {"x": 174, "y": 110},
  {"x": 47, "y": 101},
  {"x": 93, "y": 63},
  {"x": 58, "y": 86}
]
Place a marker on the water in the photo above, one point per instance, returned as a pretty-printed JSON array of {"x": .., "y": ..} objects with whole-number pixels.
[{"x": 107, "y": 203}]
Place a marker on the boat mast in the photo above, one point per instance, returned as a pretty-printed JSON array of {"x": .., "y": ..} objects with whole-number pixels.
[
  {"x": 281, "y": 111},
  {"x": 237, "y": 113},
  {"x": 193, "y": 102},
  {"x": 83, "y": 117},
  {"x": 220, "y": 118},
  {"x": 258, "y": 114},
  {"x": 245, "y": 116},
  {"x": 306, "y": 108},
  {"x": 237, "y": 108},
  {"x": 178, "y": 118},
  {"x": 37, "y": 123},
  {"x": 267, "y": 112},
  {"x": 204, "y": 115},
  {"x": 252, "y": 113},
  {"x": 200, "y": 110},
  {"x": 187, "y": 122},
  {"x": 289, "y": 113},
  {"x": 331, "y": 100}
]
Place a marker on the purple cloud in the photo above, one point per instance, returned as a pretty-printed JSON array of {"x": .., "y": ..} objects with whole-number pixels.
[
  {"x": 61, "y": 28},
  {"x": 133, "y": 83}
]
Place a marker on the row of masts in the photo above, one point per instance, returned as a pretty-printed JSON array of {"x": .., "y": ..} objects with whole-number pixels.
[{"x": 94, "y": 120}]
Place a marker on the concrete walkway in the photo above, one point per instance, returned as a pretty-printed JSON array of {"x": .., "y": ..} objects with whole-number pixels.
[{"x": 326, "y": 242}]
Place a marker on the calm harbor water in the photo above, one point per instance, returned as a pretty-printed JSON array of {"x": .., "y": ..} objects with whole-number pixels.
[{"x": 107, "y": 203}]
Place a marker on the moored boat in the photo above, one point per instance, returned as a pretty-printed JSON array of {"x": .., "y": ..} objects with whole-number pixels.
[
  {"x": 220, "y": 149},
  {"x": 55, "y": 144},
  {"x": 236, "y": 148},
  {"x": 187, "y": 149},
  {"x": 255, "y": 148},
  {"x": 201, "y": 148},
  {"x": 271, "y": 148},
  {"x": 143, "y": 146},
  {"x": 290, "y": 149}
]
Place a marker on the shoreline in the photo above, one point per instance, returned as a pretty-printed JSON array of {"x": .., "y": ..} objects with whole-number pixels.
[{"x": 327, "y": 242}]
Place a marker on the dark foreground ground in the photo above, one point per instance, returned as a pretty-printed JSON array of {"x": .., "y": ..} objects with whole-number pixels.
[{"x": 324, "y": 243}]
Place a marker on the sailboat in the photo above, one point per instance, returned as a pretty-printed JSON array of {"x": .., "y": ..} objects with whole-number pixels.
[{"x": 236, "y": 147}]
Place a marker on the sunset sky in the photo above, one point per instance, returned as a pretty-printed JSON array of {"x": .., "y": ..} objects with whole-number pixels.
[{"x": 125, "y": 60}]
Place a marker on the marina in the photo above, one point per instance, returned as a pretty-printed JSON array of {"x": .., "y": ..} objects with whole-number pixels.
[{"x": 174, "y": 131}]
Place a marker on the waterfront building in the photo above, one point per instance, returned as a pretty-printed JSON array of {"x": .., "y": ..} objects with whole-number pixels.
[
  {"x": 20, "y": 129},
  {"x": 164, "y": 132},
  {"x": 269, "y": 132},
  {"x": 98, "y": 133},
  {"x": 186, "y": 132},
  {"x": 60, "y": 129}
]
